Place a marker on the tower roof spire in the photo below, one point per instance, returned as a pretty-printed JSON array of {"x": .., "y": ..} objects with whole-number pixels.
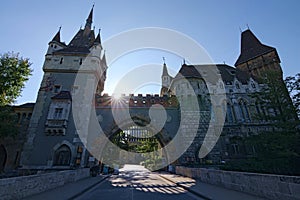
[
  {"x": 251, "y": 47},
  {"x": 165, "y": 70},
  {"x": 98, "y": 38},
  {"x": 56, "y": 38},
  {"x": 89, "y": 20}
]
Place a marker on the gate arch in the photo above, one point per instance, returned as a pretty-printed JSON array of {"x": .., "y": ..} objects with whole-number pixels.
[{"x": 139, "y": 124}]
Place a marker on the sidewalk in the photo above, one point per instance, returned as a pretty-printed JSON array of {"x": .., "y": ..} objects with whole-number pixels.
[
  {"x": 70, "y": 190},
  {"x": 207, "y": 191}
]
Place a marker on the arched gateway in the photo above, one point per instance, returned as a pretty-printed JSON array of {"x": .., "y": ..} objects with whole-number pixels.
[
  {"x": 52, "y": 123},
  {"x": 134, "y": 134}
]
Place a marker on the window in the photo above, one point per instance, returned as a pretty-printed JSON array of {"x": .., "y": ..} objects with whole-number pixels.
[
  {"x": 80, "y": 61},
  {"x": 23, "y": 117},
  {"x": 57, "y": 88},
  {"x": 253, "y": 85},
  {"x": 62, "y": 156},
  {"x": 244, "y": 110},
  {"x": 237, "y": 85},
  {"x": 19, "y": 117},
  {"x": 257, "y": 107},
  {"x": 61, "y": 61},
  {"x": 58, "y": 113},
  {"x": 229, "y": 113}
]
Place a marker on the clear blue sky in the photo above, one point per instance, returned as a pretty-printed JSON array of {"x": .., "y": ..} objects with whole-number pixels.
[{"x": 28, "y": 26}]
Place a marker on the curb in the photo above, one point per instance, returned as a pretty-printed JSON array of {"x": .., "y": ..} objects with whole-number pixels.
[
  {"x": 187, "y": 188},
  {"x": 87, "y": 188}
]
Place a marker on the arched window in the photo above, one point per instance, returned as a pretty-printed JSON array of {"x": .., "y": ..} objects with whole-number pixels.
[
  {"x": 244, "y": 110},
  {"x": 257, "y": 107},
  {"x": 230, "y": 115},
  {"x": 62, "y": 156},
  {"x": 247, "y": 115},
  {"x": 19, "y": 117},
  {"x": 23, "y": 117}
]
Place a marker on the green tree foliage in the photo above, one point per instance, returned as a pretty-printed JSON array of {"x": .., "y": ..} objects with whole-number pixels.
[
  {"x": 120, "y": 139},
  {"x": 273, "y": 152},
  {"x": 14, "y": 72},
  {"x": 147, "y": 147},
  {"x": 275, "y": 102},
  {"x": 8, "y": 122},
  {"x": 278, "y": 151},
  {"x": 293, "y": 86}
]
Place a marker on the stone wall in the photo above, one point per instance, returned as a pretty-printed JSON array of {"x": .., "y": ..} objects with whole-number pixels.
[
  {"x": 20, "y": 187},
  {"x": 263, "y": 185}
]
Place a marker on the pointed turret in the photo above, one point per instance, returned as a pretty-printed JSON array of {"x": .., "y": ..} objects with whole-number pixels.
[
  {"x": 56, "y": 38},
  {"x": 98, "y": 39},
  {"x": 165, "y": 79},
  {"x": 55, "y": 44},
  {"x": 165, "y": 70},
  {"x": 83, "y": 40},
  {"x": 89, "y": 20}
]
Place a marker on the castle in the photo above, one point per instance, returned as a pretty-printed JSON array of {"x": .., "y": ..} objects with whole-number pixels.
[{"x": 53, "y": 140}]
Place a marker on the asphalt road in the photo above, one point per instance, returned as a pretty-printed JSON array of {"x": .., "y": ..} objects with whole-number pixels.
[{"x": 136, "y": 183}]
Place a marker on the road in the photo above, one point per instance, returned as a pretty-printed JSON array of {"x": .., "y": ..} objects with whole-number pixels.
[{"x": 135, "y": 183}]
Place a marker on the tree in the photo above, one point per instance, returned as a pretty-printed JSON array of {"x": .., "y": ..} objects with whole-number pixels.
[
  {"x": 293, "y": 86},
  {"x": 147, "y": 147},
  {"x": 276, "y": 105},
  {"x": 149, "y": 150},
  {"x": 274, "y": 151},
  {"x": 8, "y": 121},
  {"x": 14, "y": 72}
]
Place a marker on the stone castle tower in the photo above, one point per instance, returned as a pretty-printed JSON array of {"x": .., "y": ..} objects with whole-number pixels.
[
  {"x": 52, "y": 125},
  {"x": 53, "y": 139},
  {"x": 256, "y": 58}
]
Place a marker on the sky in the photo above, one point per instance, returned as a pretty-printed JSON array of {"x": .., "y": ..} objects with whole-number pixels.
[{"x": 28, "y": 26}]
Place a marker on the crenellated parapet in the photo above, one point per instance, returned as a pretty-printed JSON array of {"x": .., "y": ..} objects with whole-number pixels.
[{"x": 136, "y": 100}]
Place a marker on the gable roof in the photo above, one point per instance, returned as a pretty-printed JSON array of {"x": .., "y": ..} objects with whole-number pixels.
[{"x": 228, "y": 73}]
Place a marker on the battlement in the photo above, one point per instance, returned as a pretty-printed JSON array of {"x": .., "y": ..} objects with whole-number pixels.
[{"x": 137, "y": 101}]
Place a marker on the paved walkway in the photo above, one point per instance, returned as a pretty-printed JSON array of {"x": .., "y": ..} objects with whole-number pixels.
[
  {"x": 70, "y": 190},
  {"x": 203, "y": 190},
  {"x": 207, "y": 191}
]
